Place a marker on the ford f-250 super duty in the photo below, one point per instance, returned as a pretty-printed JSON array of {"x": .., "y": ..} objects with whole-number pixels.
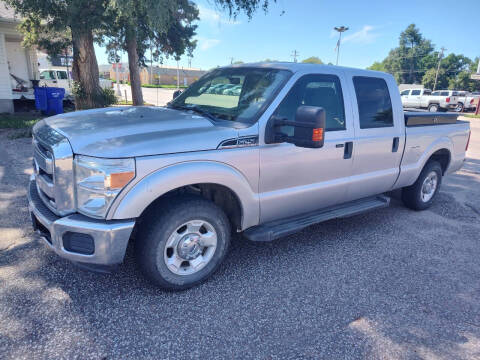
[{"x": 297, "y": 145}]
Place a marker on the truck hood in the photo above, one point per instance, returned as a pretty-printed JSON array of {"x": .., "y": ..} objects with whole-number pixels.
[{"x": 138, "y": 131}]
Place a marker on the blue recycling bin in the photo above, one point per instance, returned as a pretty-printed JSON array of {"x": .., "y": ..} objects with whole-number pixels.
[
  {"x": 55, "y": 100},
  {"x": 40, "y": 98}
]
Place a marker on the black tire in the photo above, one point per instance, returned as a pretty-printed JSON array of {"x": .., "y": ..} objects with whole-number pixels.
[
  {"x": 433, "y": 108},
  {"x": 412, "y": 195},
  {"x": 165, "y": 219},
  {"x": 459, "y": 107}
]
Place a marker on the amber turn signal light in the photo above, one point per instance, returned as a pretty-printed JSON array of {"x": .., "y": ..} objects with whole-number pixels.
[
  {"x": 119, "y": 180},
  {"x": 317, "y": 134}
]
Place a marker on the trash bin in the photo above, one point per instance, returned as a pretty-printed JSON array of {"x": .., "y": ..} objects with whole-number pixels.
[
  {"x": 40, "y": 98},
  {"x": 55, "y": 100}
]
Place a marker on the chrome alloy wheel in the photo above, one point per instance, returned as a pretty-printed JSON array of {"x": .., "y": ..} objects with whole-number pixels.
[
  {"x": 190, "y": 247},
  {"x": 429, "y": 186}
]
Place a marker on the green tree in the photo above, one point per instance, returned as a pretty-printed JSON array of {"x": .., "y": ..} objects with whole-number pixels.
[
  {"x": 428, "y": 79},
  {"x": 411, "y": 59},
  {"x": 55, "y": 24},
  {"x": 312, "y": 60},
  {"x": 163, "y": 26},
  {"x": 377, "y": 66}
]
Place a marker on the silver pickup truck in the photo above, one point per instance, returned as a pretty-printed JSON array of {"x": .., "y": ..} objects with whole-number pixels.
[{"x": 297, "y": 145}]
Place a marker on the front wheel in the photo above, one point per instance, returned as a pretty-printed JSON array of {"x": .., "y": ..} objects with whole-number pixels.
[
  {"x": 433, "y": 107},
  {"x": 181, "y": 244},
  {"x": 421, "y": 194}
]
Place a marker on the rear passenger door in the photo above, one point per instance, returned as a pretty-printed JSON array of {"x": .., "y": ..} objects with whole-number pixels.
[{"x": 379, "y": 136}]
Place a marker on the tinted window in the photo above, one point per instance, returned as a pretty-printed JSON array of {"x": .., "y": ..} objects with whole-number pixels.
[
  {"x": 415, "y": 92},
  {"x": 427, "y": 92},
  {"x": 374, "y": 104},
  {"x": 404, "y": 92},
  {"x": 444, "y": 93},
  {"x": 315, "y": 90},
  {"x": 62, "y": 75},
  {"x": 436, "y": 93},
  {"x": 47, "y": 75}
]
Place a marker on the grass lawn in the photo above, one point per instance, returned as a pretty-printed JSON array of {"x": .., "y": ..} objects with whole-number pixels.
[
  {"x": 472, "y": 116},
  {"x": 19, "y": 121}
]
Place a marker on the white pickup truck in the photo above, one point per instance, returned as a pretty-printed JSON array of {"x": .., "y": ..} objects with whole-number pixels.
[
  {"x": 297, "y": 145},
  {"x": 62, "y": 79},
  {"x": 441, "y": 100}
]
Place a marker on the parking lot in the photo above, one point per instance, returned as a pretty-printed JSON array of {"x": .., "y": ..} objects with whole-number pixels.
[{"x": 389, "y": 284}]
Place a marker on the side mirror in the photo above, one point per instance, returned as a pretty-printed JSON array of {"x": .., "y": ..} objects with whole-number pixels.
[
  {"x": 308, "y": 128},
  {"x": 176, "y": 93}
]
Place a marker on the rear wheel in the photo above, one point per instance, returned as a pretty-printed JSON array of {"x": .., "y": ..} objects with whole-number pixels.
[
  {"x": 421, "y": 194},
  {"x": 181, "y": 244},
  {"x": 459, "y": 107},
  {"x": 433, "y": 107}
]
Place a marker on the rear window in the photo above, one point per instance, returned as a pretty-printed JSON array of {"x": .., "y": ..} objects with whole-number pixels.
[
  {"x": 374, "y": 103},
  {"x": 444, "y": 93},
  {"x": 416, "y": 92}
]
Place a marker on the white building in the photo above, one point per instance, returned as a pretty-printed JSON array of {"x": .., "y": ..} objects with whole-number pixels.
[{"x": 15, "y": 60}]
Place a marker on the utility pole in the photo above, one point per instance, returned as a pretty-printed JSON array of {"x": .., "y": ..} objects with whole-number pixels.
[
  {"x": 295, "y": 55},
  {"x": 340, "y": 29},
  {"x": 178, "y": 75},
  {"x": 151, "y": 64},
  {"x": 231, "y": 60},
  {"x": 440, "y": 56}
]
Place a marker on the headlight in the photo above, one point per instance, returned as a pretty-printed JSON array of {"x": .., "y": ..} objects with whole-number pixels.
[{"x": 98, "y": 182}]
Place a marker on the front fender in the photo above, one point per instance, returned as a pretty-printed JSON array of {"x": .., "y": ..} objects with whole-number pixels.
[{"x": 158, "y": 183}]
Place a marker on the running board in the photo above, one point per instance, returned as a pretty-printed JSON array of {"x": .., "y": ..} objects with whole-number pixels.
[{"x": 279, "y": 228}]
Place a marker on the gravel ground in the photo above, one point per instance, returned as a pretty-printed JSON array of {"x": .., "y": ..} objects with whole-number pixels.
[{"x": 390, "y": 284}]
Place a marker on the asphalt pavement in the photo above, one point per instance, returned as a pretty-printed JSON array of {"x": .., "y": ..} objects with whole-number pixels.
[{"x": 389, "y": 284}]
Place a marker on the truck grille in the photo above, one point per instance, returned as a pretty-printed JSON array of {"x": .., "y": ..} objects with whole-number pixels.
[{"x": 53, "y": 162}]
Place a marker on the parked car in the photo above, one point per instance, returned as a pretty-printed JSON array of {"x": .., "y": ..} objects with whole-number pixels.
[
  {"x": 62, "y": 79},
  {"x": 441, "y": 100},
  {"x": 466, "y": 101},
  {"x": 302, "y": 144}
]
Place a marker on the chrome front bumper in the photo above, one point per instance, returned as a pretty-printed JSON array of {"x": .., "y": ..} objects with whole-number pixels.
[{"x": 98, "y": 242}]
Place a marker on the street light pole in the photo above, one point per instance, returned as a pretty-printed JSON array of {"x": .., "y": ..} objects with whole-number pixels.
[{"x": 340, "y": 30}]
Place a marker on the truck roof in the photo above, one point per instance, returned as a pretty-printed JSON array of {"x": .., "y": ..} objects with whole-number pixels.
[{"x": 296, "y": 67}]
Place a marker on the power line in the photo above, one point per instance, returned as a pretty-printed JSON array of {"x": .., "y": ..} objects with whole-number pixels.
[{"x": 295, "y": 55}]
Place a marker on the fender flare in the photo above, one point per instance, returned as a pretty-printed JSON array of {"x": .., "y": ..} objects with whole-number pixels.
[
  {"x": 409, "y": 173},
  {"x": 441, "y": 143},
  {"x": 161, "y": 181}
]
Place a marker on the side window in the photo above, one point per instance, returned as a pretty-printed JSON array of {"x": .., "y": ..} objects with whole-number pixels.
[
  {"x": 315, "y": 90},
  {"x": 374, "y": 104},
  {"x": 404, "y": 92},
  {"x": 415, "y": 92},
  {"x": 47, "y": 75},
  {"x": 62, "y": 75}
]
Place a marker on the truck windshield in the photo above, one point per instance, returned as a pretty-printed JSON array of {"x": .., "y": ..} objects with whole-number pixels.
[{"x": 235, "y": 94}]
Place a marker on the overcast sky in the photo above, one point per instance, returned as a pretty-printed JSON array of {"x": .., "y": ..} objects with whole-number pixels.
[{"x": 307, "y": 26}]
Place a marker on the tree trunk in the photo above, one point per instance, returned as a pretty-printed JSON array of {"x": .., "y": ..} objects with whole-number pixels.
[
  {"x": 85, "y": 71},
  {"x": 133, "y": 66}
]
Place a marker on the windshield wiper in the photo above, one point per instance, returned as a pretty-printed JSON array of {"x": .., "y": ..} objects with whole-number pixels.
[{"x": 197, "y": 110}]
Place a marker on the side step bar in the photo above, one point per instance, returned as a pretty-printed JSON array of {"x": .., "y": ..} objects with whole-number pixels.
[{"x": 279, "y": 228}]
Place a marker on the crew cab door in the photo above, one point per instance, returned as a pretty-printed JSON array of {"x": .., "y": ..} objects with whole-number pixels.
[
  {"x": 379, "y": 136},
  {"x": 296, "y": 180},
  {"x": 62, "y": 80},
  {"x": 415, "y": 98},
  {"x": 48, "y": 78}
]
